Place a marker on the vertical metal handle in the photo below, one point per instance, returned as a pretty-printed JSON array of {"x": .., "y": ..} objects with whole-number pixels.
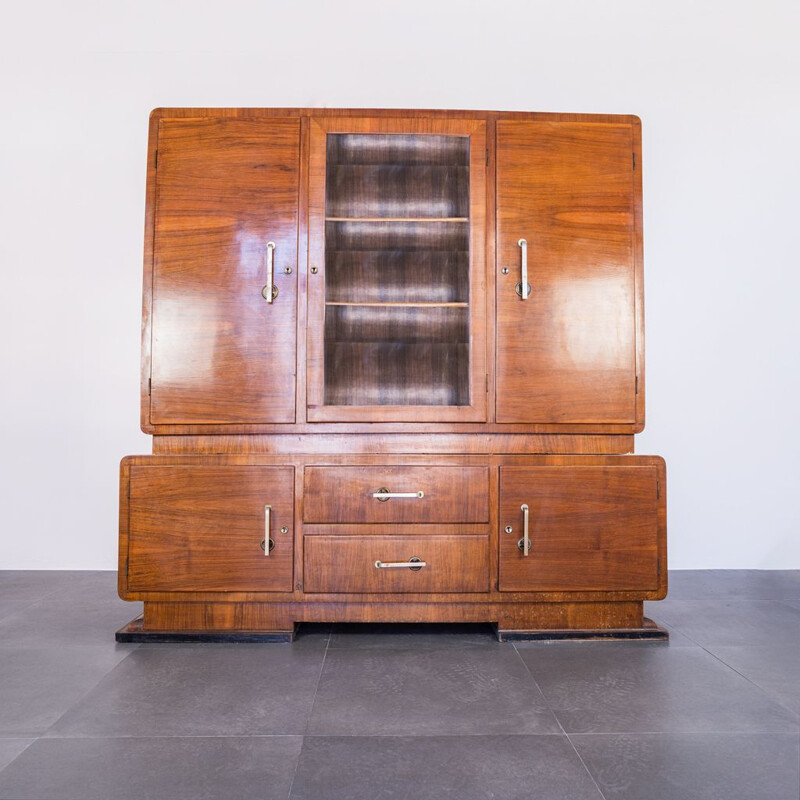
[
  {"x": 526, "y": 539},
  {"x": 267, "y": 514},
  {"x": 269, "y": 289},
  {"x": 524, "y": 286}
]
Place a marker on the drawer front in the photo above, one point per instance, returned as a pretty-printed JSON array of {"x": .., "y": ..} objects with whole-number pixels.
[
  {"x": 590, "y": 528},
  {"x": 434, "y": 494},
  {"x": 348, "y": 563},
  {"x": 199, "y": 528}
]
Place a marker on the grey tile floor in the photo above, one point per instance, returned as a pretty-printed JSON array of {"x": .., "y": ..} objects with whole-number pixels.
[{"x": 402, "y": 711}]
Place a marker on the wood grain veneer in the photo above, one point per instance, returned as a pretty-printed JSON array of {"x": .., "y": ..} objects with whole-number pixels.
[
  {"x": 345, "y": 494},
  {"x": 397, "y": 354},
  {"x": 347, "y": 564},
  {"x": 568, "y": 352},
  {"x": 591, "y": 528},
  {"x": 220, "y": 352},
  {"x": 198, "y": 527}
]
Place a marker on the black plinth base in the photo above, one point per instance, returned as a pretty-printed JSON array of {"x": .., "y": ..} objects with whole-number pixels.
[
  {"x": 133, "y": 632},
  {"x": 648, "y": 632}
]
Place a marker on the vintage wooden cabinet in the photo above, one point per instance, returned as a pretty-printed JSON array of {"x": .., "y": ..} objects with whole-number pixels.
[{"x": 393, "y": 365}]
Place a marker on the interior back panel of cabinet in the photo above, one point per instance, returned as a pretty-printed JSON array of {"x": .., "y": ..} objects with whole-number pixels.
[{"x": 397, "y": 270}]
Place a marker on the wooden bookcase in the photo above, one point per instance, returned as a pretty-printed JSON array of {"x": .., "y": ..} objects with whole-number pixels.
[{"x": 393, "y": 365}]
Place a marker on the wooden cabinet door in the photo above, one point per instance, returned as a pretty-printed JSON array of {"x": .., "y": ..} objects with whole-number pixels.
[
  {"x": 221, "y": 353},
  {"x": 590, "y": 528},
  {"x": 567, "y": 353},
  {"x": 202, "y": 528}
]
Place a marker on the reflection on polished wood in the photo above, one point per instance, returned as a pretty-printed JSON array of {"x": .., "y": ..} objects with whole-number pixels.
[
  {"x": 591, "y": 528},
  {"x": 347, "y": 564},
  {"x": 345, "y": 494},
  {"x": 220, "y": 352},
  {"x": 199, "y": 527},
  {"x": 568, "y": 352},
  {"x": 397, "y": 356}
]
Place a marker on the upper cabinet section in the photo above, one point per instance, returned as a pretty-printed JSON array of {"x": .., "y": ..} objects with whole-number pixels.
[
  {"x": 396, "y": 322},
  {"x": 567, "y": 305},
  {"x": 335, "y": 270},
  {"x": 224, "y": 275}
]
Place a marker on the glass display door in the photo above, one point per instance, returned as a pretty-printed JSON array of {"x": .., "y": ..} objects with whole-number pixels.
[{"x": 396, "y": 277}]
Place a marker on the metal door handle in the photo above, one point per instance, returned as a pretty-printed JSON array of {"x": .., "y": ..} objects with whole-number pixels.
[
  {"x": 270, "y": 291},
  {"x": 413, "y": 564},
  {"x": 384, "y": 494},
  {"x": 267, "y": 514},
  {"x": 523, "y": 287},
  {"x": 525, "y": 542}
]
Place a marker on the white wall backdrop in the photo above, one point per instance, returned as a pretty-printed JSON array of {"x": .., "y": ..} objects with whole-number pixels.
[{"x": 715, "y": 82}]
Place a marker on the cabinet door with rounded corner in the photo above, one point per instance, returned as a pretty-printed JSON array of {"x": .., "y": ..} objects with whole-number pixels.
[
  {"x": 568, "y": 297},
  {"x": 224, "y": 279},
  {"x": 582, "y": 528},
  {"x": 197, "y": 528}
]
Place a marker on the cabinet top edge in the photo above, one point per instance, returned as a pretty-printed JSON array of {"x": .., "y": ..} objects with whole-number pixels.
[{"x": 488, "y": 115}]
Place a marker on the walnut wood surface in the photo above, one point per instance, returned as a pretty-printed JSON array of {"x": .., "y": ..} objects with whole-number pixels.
[
  {"x": 216, "y": 616},
  {"x": 432, "y": 443},
  {"x": 390, "y": 122},
  {"x": 568, "y": 352},
  {"x": 344, "y": 494},
  {"x": 347, "y": 564},
  {"x": 304, "y": 462},
  {"x": 199, "y": 528},
  {"x": 220, "y": 352},
  {"x": 591, "y": 528},
  {"x": 398, "y": 213}
]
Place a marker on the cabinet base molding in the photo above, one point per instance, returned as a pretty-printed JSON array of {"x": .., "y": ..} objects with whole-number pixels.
[
  {"x": 134, "y": 632},
  {"x": 277, "y": 622},
  {"x": 649, "y": 631}
]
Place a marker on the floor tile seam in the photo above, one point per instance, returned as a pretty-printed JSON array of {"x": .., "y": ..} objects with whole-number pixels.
[
  {"x": 310, "y": 712},
  {"x": 25, "y": 606},
  {"x": 316, "y": 685},
  {"x": 760, "y": 688},
  {"x": 9, "y": 644},
  {"x": 684, "y": 732},
  {"x": 24, "y": 750},
  {"x": 43, "y": 597},
  {"x": 558, "y": 721},
  {"x": 83, "y": 737},
  {"x": 677, "y": 630},
  {"x": 87, "y": 736},
  {"x": 89, "y": 689}
]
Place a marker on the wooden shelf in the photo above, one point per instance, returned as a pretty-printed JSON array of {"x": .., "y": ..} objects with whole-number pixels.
[
  {"x": 401, "y": 305},
  {"x": 396, "y": 219}
]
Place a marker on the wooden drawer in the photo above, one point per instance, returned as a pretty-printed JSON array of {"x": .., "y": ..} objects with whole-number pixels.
[
  {"x": 438, "y": 494},
  {"x": 348, "y": 563},
  {"x": 200, "y": 528},
  {"x": 591, "y": 528}
]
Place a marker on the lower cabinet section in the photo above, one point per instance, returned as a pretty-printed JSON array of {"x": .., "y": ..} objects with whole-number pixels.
[
  {"x": 580, "y": 528},
  {"x": 254, "y": 543},
  {"x": 396, "y": 563},
  {"x": 205, "y": 528}
]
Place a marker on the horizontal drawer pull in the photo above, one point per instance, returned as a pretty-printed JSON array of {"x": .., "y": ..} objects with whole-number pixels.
[
  {"x": 384, "y": 494},
  {"x": 414, "y": 564}
]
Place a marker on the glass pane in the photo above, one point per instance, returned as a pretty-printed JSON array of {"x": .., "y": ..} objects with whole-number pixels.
[{"x": 397, "y": 267}]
